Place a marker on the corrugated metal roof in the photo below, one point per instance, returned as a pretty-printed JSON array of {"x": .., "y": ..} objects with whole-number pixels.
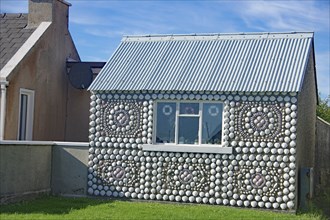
[{"x": 210, "y": 62}]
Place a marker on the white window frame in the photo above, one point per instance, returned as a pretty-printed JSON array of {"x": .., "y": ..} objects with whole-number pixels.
[
  {"x": 176, "y": 147},
  {"x": 29, "y": 114}
]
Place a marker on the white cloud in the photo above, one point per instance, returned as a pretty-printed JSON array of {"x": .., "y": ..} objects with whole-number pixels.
[
  {"x": 285, "y": 15},
  {"x": 109, "y": 33},
  {"x": 95, "y": 58},
  {"x": 86, "y": 19},
  {"x": 295, "y": 16}
]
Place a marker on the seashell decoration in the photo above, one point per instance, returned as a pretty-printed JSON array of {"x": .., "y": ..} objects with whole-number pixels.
[{"x": 260, "y": 173}]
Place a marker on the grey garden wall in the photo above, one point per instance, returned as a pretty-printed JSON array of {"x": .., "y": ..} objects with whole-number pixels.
[
  {"x": 31, "y": 168},
  {"x": 25, "y": 169},
  {"x": 322, "y": 155},
  {"x": 69, "y": 170}
]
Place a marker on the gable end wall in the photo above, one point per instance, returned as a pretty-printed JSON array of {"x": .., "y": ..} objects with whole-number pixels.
[{"x": 306, "y": 132}]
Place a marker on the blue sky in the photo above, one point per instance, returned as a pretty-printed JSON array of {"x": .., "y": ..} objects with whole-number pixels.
[{"x": 97, "y": 26}]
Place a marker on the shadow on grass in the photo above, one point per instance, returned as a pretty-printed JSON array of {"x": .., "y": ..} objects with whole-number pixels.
[{"x": 51, "y": 205}]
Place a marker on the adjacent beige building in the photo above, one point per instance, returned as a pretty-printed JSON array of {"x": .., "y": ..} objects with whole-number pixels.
[{"x": 37, "y": 100}]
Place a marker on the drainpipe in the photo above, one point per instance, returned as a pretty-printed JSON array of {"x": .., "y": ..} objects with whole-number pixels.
[{"x": 3, "y": 84}]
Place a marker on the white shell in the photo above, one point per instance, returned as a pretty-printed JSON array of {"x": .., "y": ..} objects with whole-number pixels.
[
  {"x": 283, "y": 206},
  {"x": 254, "y": 204}
]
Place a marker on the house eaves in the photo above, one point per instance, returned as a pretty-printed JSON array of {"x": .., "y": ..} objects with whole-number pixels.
[
  {"x": 13, "y": 33},
  {"x": 23, "y": 51}
]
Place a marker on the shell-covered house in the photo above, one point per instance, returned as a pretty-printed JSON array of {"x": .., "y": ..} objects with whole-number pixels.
[{"x": 222, "y": 119}]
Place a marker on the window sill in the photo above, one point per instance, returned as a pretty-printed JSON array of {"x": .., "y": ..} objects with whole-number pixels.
[{"x": 188, "y": 148}]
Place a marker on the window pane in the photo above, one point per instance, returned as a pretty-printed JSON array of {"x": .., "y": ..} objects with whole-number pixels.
[
  {"x": 165, "y": 122},
  {"x": 212, "y": 123},
  {"x": 23, "y": 118},
  {"x": 188, "y": 130},
  {"x": 189, "y": 108}
]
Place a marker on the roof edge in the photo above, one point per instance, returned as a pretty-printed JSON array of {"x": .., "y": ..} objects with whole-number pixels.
[
  {"x": 23, "y": 50},
  {"x": 218, "y": 36},
  {"x": 65, "y": 2}
]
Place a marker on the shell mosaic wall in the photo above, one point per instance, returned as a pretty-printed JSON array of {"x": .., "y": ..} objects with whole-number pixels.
[{"x": 261, "y": 171}]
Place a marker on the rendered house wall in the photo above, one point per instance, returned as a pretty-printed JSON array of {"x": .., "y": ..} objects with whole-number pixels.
[
  {"x": 76, "y": 128},
  {"x": 261, "y": 171},
  {"x": 43, "y": 70}
]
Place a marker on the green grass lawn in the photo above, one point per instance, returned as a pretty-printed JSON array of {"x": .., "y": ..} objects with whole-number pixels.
[{"x": 86, "y": 208}]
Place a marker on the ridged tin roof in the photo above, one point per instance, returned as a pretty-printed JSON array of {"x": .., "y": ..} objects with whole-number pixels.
[{"x": 255, "y": 62}]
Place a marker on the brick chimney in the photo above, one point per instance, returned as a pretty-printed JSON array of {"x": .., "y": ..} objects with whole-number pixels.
[{"x": 47, "y": 10}]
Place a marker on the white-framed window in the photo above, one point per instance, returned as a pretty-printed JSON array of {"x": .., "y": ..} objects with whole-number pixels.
[
  {"x": 25, "y": 115},
  {"x": 187, "y": 126}
]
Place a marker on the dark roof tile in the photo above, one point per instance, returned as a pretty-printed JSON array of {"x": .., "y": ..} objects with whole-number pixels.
[{"x": 13, "y": 34}]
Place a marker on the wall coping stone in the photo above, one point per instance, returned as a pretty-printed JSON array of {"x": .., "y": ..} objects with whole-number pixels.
[
  {"x": 55, "y": 143},
  {"x": 322, "y": 120}
]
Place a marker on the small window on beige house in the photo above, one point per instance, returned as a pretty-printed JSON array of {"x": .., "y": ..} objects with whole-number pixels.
[{"x": 25, "y": 116}]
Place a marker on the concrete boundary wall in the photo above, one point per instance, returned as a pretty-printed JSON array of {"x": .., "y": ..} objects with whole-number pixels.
[
  {"x": 29, "y": 168},
  {"x": 69, "y": 170},
  {"x": 322, "y": 155},
  {"x": 24, "y": 170}
]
